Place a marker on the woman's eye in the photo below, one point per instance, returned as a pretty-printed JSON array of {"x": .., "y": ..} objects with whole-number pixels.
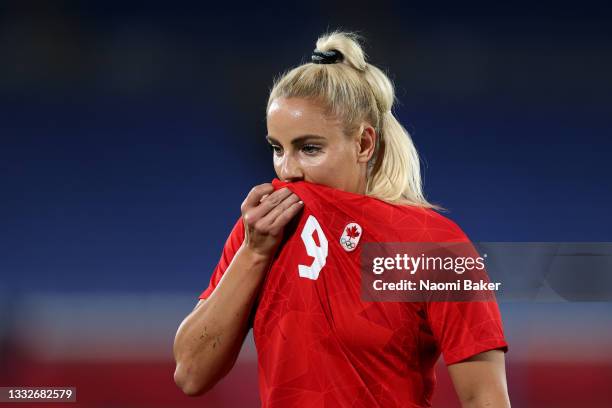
[
  {"x": 311, "y": 149},
  {"x": 275, "y": 149}
]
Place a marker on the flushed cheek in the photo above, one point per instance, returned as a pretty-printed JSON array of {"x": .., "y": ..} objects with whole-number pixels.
[
  {"x": 315, "y": 161},
  {"x": 325, "y": 172},
  {"x": 317, "y": 174},
  {"x": 277, "y": 161}
]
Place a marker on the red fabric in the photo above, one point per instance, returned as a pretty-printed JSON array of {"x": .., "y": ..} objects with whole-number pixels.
[{"x": 319, "y": 344}]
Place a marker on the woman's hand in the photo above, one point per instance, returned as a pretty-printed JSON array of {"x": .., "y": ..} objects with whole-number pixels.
[{"x": 265, "y": 213}]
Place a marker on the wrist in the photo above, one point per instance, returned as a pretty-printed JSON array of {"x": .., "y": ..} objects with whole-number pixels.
[{"x": 253, "y": 257}]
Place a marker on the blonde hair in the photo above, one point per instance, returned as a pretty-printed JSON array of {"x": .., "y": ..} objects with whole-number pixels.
[{"x": 356, "y": 91}]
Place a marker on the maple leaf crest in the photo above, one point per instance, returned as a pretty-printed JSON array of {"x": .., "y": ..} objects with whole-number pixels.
[{"x": 352, "y": 231}]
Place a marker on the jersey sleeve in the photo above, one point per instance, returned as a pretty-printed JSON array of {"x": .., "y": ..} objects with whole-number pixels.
[
  {"x": 233, "y": 242},
  {"x": 464, "y": 329}
]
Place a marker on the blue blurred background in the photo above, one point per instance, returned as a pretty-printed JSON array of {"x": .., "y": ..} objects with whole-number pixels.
[{"x": 130, "y": 134}]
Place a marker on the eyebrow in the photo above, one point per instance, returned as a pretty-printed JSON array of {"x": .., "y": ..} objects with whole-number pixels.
[{"x": 298, "y": 140}]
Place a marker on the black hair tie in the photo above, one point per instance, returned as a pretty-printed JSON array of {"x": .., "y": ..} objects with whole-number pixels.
[{"x": 326, "y": 57}]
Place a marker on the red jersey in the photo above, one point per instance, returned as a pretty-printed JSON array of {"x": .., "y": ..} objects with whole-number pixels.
[{"x": 319, "y": 344}]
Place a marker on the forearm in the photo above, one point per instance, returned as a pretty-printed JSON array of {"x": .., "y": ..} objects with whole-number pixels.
[{"x": 209, "y": 339}]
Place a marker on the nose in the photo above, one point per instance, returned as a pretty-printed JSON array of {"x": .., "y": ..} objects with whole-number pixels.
[{"x": 290, "y": 170}]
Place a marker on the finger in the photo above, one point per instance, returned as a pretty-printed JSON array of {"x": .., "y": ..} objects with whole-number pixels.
[
  {"x": 255, "y": 195},
  {"x": 269, "y": 203},
  {"x": 271, "y": 216},
  {"x": 264, "y": 197},
  {"x": 286, "y": 216}
]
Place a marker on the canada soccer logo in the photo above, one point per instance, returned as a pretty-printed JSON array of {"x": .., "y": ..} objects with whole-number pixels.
[{"x": 350, "y": 236}]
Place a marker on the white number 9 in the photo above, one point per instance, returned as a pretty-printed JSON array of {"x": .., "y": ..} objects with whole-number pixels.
[{"x": 318, "y": 252}]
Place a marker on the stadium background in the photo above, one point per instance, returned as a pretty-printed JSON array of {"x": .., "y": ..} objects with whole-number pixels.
[{"x": 130, "y": 136}]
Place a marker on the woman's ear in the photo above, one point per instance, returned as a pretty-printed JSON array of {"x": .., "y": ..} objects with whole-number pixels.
[{"x": 367, "y": 143}]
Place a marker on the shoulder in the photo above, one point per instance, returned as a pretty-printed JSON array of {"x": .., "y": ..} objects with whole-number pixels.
[
  {"x": 236, "y": 236},
  {"x": 434, "y": 225}
]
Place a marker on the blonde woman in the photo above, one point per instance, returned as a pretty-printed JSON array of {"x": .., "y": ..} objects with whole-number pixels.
[{"x": 348, "y": 173}]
